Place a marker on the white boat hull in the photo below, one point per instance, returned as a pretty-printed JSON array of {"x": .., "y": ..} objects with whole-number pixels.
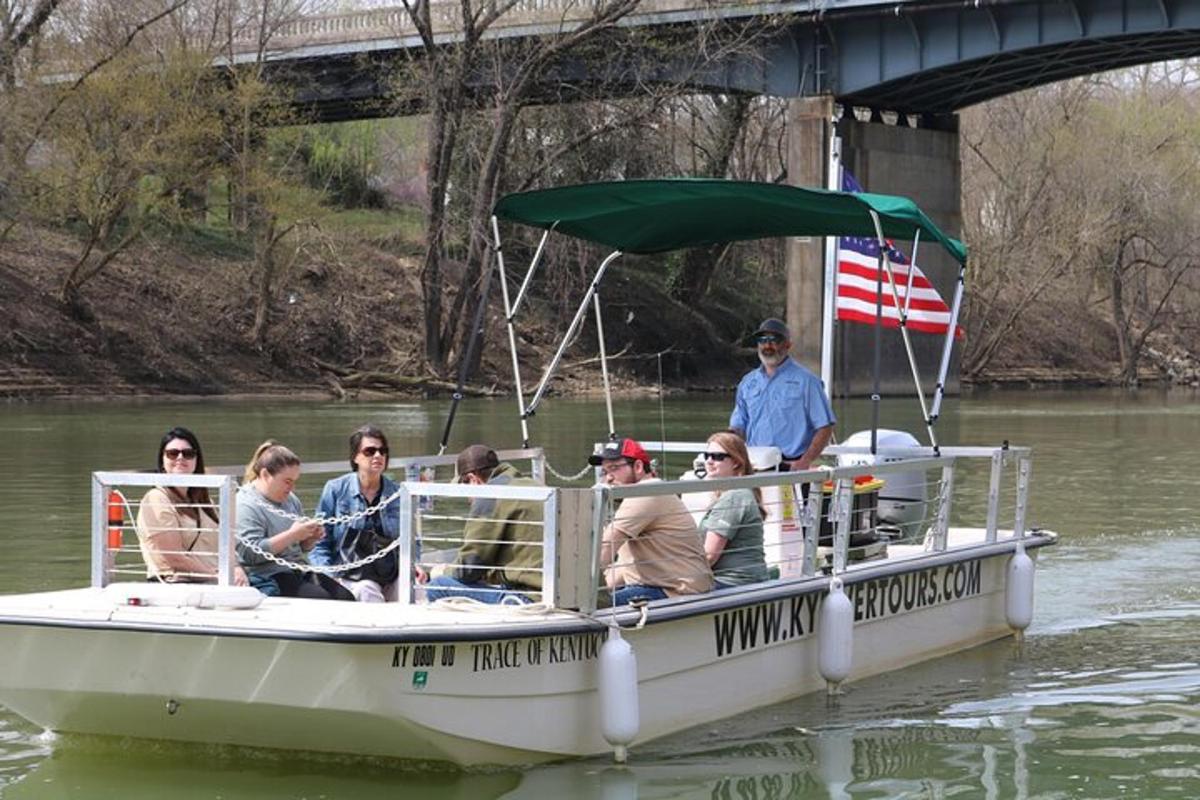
[{"x": 428, "y": 683}]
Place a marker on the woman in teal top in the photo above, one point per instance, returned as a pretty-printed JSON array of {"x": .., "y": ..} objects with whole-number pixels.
[{"x": 733, "y": 526}]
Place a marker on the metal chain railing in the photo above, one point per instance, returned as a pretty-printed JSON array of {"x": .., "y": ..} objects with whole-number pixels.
[
  {"x": 568, "y": 478},
  {"x": 335, "y": 569},
  {"x": 357, "y": 515}
]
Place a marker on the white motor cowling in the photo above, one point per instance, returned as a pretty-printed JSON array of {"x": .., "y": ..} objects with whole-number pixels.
[
  {"x": 903, "y": 498},
  {"x": 1018, "y": 596},
  {"x": 619, "y": 715},
  {"x": 835, "y": 643}
]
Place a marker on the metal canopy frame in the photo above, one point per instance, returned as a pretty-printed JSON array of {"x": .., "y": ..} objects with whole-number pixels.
[{"x": 896, "y": 209}]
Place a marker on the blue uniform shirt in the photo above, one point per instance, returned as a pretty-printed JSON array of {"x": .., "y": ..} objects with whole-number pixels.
[{"x": 784, "y": 410}]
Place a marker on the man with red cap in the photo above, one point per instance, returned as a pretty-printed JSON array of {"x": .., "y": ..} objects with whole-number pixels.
[{"x": 651, "y": 549}]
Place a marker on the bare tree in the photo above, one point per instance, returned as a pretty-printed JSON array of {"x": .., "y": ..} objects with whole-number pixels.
[
  {"x": 1077, "y": 203},
  {"x": 447, "y": 70}
]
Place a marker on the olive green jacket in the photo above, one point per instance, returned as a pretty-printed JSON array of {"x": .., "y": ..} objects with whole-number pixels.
[{"x": 502, "y": 542}]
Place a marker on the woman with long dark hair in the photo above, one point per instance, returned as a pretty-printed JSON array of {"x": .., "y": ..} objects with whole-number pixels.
[{"x": 176, "y": 526}]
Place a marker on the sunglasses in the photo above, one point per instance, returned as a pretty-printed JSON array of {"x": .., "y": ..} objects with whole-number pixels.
[
  {"x": 768, "y": 338},
  {"x": 186, "y": 453},
  {"x": 718, "y": 457},
  {"x": 370, "y": 452}
]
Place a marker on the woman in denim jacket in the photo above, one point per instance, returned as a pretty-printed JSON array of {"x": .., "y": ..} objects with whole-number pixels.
[{"x": 365, "y": 486}]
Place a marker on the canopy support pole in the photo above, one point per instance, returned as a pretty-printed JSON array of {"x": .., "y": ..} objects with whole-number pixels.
[
  {"x": 902, "y": 312},
  {"x": 533, "y": 265},
  {"x": 531, "y": 409},
  {"x": 875, "y": 364},
  {"x": 833, "y": 182},
  {"x": 612, "y": 430},
  {"x": 940, "y": 390},
  {"x": 472, "y": 346},
  {"x": 509, "y": 315},
  {"x": 912, "y": 266}
]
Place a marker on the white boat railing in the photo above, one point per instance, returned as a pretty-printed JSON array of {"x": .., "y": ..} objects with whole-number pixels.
[
  {"x": 813, "y": 524},
  {"x": 109, "y": 537},
  {"x": 414, "y": 516},
  {"x": 108, "y": 534}
]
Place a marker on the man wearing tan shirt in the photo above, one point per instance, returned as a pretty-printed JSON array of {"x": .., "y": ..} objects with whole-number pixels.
[{"x": 651, "y": 549}]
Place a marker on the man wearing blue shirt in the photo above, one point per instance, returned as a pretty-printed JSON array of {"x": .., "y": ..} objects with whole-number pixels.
[{"x": 782, "y": 404}]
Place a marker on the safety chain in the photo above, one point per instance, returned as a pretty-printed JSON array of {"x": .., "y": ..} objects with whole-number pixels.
[
  {"x": 577, "y": 476},
  {"x": 330, "y": 570},
  {"x": 323, "y": 570},
  {"x": 366, "y": 512}
]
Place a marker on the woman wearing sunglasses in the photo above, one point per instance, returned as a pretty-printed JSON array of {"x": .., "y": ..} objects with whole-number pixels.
[
  {"x": 733, "y": 527},
  {"x": 364, "y": 487},
  {"x": 177, "y": 526}
]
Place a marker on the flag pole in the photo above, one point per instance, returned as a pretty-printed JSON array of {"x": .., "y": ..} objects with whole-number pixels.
[{"x": 833, "y": 182}]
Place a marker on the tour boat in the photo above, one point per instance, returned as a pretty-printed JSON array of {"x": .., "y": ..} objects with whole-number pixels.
[{"x": 950, "y": 567}]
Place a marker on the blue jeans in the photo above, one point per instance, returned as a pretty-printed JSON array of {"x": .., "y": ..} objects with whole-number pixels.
[
  {"x": 627, "y": 594},
  {"x": 445, "y": 586}
]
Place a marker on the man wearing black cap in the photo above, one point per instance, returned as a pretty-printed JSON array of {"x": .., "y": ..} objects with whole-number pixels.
[
  {"x": 501, "y": 555},
  {"x": 782, "y": 404},
  {"x": 653, "y": 540}
]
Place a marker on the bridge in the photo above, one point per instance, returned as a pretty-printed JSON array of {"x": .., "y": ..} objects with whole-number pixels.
[
  {"x": 918, "y": 57},
  {"x": 921, "y": 60}
]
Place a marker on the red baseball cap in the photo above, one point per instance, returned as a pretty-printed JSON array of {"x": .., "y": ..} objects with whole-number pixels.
[{"x": 622, "y": 448}]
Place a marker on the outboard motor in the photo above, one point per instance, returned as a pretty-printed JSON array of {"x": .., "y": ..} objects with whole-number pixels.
[{"x": 903, "y": 498}]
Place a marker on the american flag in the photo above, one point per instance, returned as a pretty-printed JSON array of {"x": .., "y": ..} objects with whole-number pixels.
[{"x": 858, "y": 273}]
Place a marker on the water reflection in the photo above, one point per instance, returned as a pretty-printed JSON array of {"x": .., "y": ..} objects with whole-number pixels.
[{"x": 1099, "y": 712}]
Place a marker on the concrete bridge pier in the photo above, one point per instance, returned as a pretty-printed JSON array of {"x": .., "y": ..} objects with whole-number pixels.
[{"x": 918, "y": 162}]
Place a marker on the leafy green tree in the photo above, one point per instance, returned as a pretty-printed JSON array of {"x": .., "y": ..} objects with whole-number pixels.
[{"x": 118, "y": 149}]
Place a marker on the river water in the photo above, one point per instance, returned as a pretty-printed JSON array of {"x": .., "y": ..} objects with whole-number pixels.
[{"x": 1102, "y": 700}]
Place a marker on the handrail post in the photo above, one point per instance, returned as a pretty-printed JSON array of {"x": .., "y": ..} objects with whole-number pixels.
[
  {"x": 941, "y": 526},
  {"x": 1023, "y": 467},
  {"x": 843, "y": 496},
  {"x": 537, "y": 466},
  {"x": 600, "y": 502},
  {"x": 993, "y": 509},
  {"x": 550, "y": 549},
  {"x": 99, "y": 540},
  {"x": 225, "y": 533},
  {"x": 812, "y": 527},
  {"x": 407, "y": 507}
]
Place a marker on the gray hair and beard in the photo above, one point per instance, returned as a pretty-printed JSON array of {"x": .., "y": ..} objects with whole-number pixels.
[{"x": 772, "y": 361}]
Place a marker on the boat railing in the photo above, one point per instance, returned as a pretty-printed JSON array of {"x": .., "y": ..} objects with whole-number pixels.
[
  {"x": 441, "y": 535},
  {"x": 819, "y": 521},
  {"x": 831, "y": 519},
  {"x": 114, "y": 514},
  {"x": 116, "y": 501}
]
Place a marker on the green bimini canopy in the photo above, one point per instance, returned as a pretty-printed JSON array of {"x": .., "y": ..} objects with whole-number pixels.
[{"x": 653, "y": 216}]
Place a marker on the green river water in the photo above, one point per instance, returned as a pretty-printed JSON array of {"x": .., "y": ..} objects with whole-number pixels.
[{"x": 1102, "y": 700}]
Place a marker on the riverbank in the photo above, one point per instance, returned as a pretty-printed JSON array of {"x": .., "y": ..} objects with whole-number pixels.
[
  {"x": 177, "y": 322},
  {"x": 163, "y": 322}
]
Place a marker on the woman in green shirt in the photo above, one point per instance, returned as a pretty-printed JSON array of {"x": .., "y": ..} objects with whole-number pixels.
[{"x": 733, "y": 526}]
